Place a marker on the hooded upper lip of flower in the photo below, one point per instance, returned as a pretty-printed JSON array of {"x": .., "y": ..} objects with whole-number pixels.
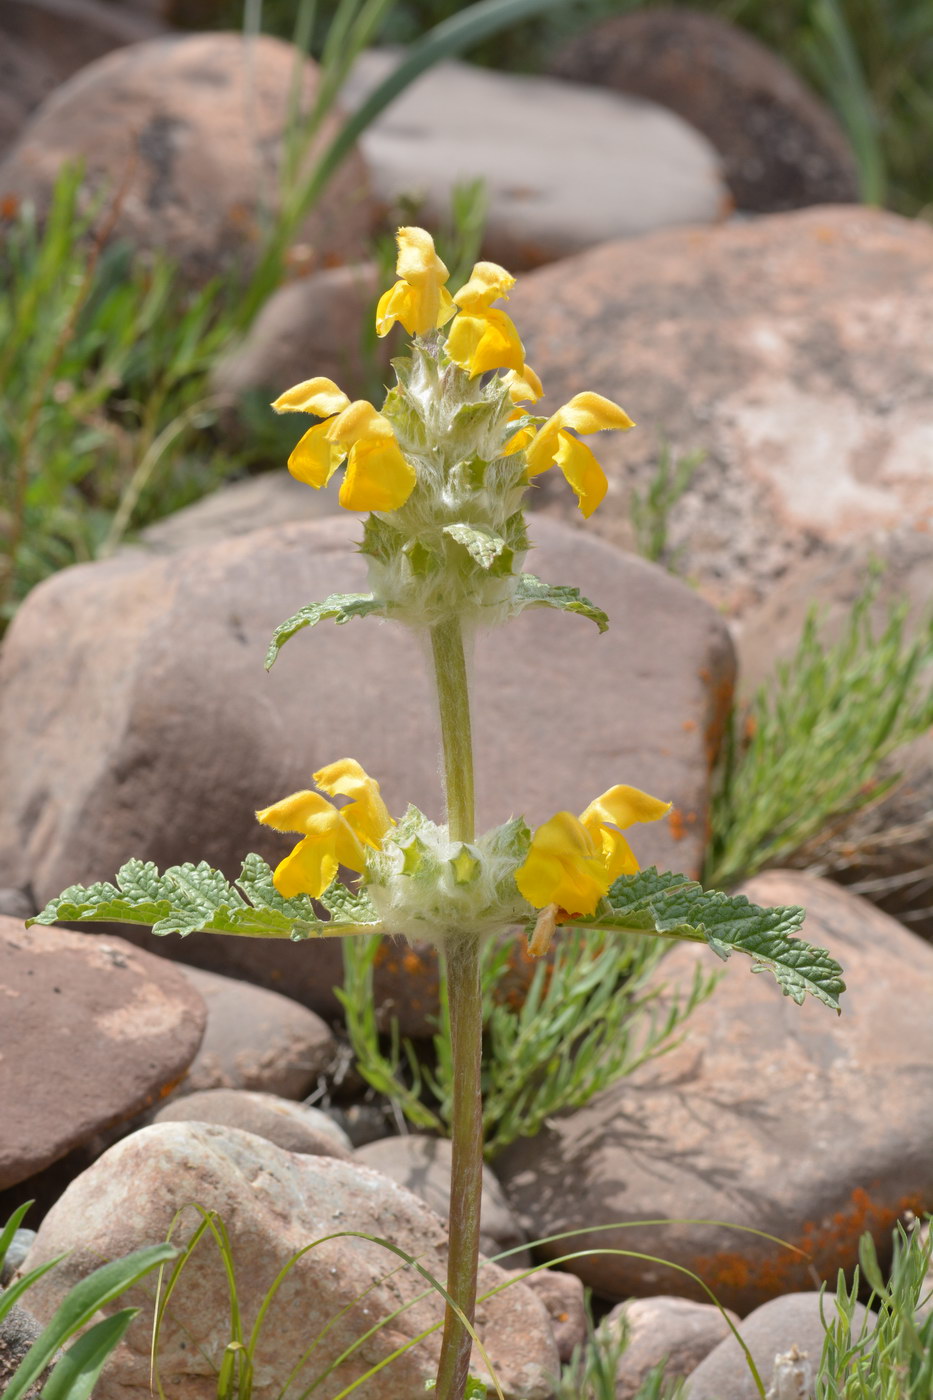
[
  {"x": 572, "y": 861},
  {"x": 378, "y": 476},
  {"x": 332, "y": 836},
  {"x": 419, "y": 300},
  {"x": 483, "y": 337}
]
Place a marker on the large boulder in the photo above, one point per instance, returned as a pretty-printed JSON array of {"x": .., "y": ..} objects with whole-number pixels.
[
  {"x": 564, "y": 166},
  {"x": 771, "y": 1116},
  {"x": 781, "y": 147},
  {"x": 136, "y": 718},
  {"x": 759, "y": 344},
  {"x": 274, "y": 1203},
  {"x": 93, "y": 1031},
  {"x": 183, "y": 136},
  {"x": 42, "y": 42}
]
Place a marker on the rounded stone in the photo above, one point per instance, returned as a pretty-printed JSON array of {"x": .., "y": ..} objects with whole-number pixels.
[
  {"x": 782, "y": 148},
  {"x": 257, "y": 1039},
  {"x": 93, "y": 1031},
  {"x": 274, "y": 1204},
  {"x": 289, "y": 1125},
  {"x": 183, "y": 135}
]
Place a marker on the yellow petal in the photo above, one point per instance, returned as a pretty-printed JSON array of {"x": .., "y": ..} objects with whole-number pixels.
[
  {"x": 320, "y": 396},
  {"x": 418, "y": 262},
  {"x": 367, "y": 814},
  {"x": 420, "y": 301},
  {"x": 584, "y": 413},
  {"x": 618, "y": 856},
  {"x": 623, "y": 806},
  {"x": 294, "y": 813},
  {"x": 378, "y": 476},
  {"x": 308, "y": 869},
  {"x": 524, "y": 385},
  {"x": 358, "y": 420},
  {"x": 563, "y": 867},
  {"x": 487, "y": 283},
  {"x": 591, "y": 413},
  {"x": 315, "y": 458},
  {"x": 485, "y": 340},
  {"x": 582, "y": 472}
]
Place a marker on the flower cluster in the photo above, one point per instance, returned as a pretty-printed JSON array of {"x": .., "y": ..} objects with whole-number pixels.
[
  {"x": 444, "y": 465},
  {"x": 424, "y": 885}
]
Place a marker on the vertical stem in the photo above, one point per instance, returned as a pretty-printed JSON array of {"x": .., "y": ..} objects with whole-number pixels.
[
  {"x": 453, "y": 701},
  {"x": 466, "y": 1023}
]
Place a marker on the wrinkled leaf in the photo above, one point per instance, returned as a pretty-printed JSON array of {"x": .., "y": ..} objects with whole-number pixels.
[
  {"x": 339, "y": 606},
  {"x": 531, "y": 592}
]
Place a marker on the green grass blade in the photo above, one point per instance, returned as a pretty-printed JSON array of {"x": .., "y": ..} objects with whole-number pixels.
[
  {"x": 79, "y": 1370},
  {"x": 11, "y": 1227},
  {"x": 79, "y": 1306}
]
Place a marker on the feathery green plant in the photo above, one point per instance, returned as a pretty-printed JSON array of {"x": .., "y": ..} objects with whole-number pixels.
[
  {"x": 809, "y": 747},
  {"x": 890, "y": 1356},
  {"x": 103, "y": 369},
  {"x": 588, "y": 1017}
]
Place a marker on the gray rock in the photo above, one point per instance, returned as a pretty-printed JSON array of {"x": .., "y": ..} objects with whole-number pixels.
[
  {"x": 256, "y": 1039},
  {"x": 669, "y": 1329},
  {"x": 274, "y": 1203},
  {"x": 16, "y": 904},
  {"x": 20, "y": 1246},
  {"x": 93, "y": 1031},
  {"x": 758, "y": 343},
  {"x": 289, "y": 1125},
  {"x": 18, "y": 1330},
  {"x": 565, "y": 166},
  {"x": 422, "y": 1164},
  {"x": 791, "y": 1322},
  {"x": 163, "y": 744},
  {"x": 781, "y": 147},
  {"x": 766, "y": 1115}
]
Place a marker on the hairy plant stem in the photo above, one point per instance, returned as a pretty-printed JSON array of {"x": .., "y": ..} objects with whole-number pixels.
[{"x": 466, "y": 1023}]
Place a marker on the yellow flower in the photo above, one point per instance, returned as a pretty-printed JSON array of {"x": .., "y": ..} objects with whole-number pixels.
[
  {"x": 483, "y": 337},
  {"x": 573, "y": 861},
  {"x": 378, "y": 475},
  {"x": 420, "y": 301},
  {"x": 332, "y": 836},
  {"x": 523, "y": 387},
  {"x": 585, "y": 413}
]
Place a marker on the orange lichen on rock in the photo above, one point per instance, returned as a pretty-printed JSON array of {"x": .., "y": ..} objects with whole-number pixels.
[{"x": 818, "y": 1251}]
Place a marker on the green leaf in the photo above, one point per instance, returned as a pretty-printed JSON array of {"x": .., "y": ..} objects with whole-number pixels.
[
  {"x": 79, "y": 1370},
  {"x": 531, "y": 592},
  {"x": 481, "y": 543},
  {"x": 339, "y": 606},
  {"x": 349, "y": 906},
  {"x": 674, "y": 907},
  {"x": 197, "y": 899},
  {"x": 10, "y": 1229},
  {"x": 79, "y": 1306}
]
